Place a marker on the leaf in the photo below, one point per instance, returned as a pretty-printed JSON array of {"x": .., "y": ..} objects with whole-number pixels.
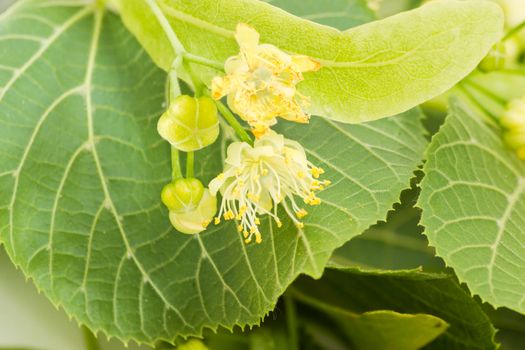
[
  {"x": 396, "y": 244},
  {"x": 82, "y": 166},
  {"x": 510, "y": 325},
  {"x": 381, "y": 329},
  {"x": 340, "y": 14},
  {"x": 473, "y": 200},
  {"x": 389, "y": 8},
  {"x": 408, "y": 292},
  {"x": 369, "y": 72}
]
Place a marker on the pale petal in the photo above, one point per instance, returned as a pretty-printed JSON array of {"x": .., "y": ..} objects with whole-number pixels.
[
  {"x": 305, "y": 63},
  {"x": 246, "y": 37}
]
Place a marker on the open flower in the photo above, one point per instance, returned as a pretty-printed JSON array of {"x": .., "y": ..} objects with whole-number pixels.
[
  {"x": 514, "y": 123},
  {"x": 256, "y": 179},
  {"x": 260, "y": 82}
]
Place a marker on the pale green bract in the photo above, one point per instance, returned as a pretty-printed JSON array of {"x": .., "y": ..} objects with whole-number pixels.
[
  {"x": 369, "y": 72},
  {"x": 389, "y": 330},
  {"x": 473, "y": 201},
  {"x": 82, "y": 168}
]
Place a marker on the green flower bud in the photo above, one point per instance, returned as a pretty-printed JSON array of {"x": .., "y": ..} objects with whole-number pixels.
[
  {"x": 190, "y": 123},
  {"x": 500, "y": 56},
  {"x": 182, "y": 195},
  {"x": 513, "y": 123},
  {"x": 197, "y": 220}
]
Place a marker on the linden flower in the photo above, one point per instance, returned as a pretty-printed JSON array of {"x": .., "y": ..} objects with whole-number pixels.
[
  {"x": 256, "y": 179},
  {"x": 260, "y": 82},
  {"x": 514, "y": 122}
]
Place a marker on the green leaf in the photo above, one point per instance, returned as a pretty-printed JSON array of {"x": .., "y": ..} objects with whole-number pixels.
[
  {"x": 369, "y": 72},
  {"x": 340, "y": 14},
  {"x": 381, "y": 329},
  {"x": 82, "y": 166},
  {"x": 396, "y": 244},
  {"x": 489, "y": 93},
  {"x": 473, "y": 200},
  {"x": 389, "y": 8},
  {"x": 510, "y": 326},
  {"x": 407, "y": 292}
]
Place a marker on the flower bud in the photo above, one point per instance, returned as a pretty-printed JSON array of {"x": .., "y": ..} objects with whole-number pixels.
[
  {"x": 513, "y": 122},
  {"x": 190, "y": 123},
  {"x": 182, "y": 195},
  {"x": 195, "y": 221},
  {"x": 500, "y": 56}
]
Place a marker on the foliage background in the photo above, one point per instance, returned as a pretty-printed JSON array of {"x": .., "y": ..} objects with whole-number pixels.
[{"x": 398, "y": 243}]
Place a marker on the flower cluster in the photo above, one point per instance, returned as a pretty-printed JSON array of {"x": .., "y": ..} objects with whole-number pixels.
[
  {"x": 260, "y": 85},
  {"x": 257, "y": 178},
  {"x": 261, "y": 81},
  {"x": 513, "y": 122}
]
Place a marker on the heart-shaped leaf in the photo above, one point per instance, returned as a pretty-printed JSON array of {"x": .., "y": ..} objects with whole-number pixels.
[
  {"x": 473, "y": 200},
  {"x": 82, "y": 166}
]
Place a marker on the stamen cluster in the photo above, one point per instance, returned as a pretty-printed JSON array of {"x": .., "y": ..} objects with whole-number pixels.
[
  {"x": 257, "y": 178},
  {"x": 260, "y": 82}
]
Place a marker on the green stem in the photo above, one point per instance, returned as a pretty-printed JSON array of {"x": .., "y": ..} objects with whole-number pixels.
[
  {"x": 174, "y": 79},
  {"x": 486, "y": 92},
  {"x": 491, "y": 117},
  {"x": 513, "y": 31},
  {"x": 190, "y": 162},
  {"x": 89, "y": 339},
  {"x": 204, "y": 61},
  {"x": 234, "y": 123},
  {"x": 177, "y": 46},
  {"x": 176, "y": 173},
  {"x": 319, "y": 305},
  {"x": 291, "y": 322}
]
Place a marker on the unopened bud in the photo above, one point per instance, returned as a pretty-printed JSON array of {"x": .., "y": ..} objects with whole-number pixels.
[
  {"x": 197, "y": 220},
  {"x": 190, "y": 123},
  {"x": 182, "y": 195}
]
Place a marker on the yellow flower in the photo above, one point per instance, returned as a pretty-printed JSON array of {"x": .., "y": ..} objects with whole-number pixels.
[
  {"x": 257, "y": 178},
  {"x": 261, "y": 80},
  {"x": 514, "y": 123}
]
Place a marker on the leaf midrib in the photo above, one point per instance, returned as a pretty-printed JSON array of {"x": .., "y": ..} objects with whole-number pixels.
[{"x": 99, "y": 15}]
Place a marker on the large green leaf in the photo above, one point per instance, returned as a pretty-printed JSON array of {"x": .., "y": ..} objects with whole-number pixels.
[
  {"x": 371, "y": 71},
  {"x": 340, "y": 14},
  {"x": 81, "y": 168},
  {"x": 396, "y": 244},
  {"x": 473, "y": 200},
  {"x": 379, "y": 329},
  {"x": 410, "y": 292}
]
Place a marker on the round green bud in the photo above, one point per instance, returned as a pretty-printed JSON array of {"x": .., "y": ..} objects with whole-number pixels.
[
  {"x": 182, "y": 195},
  {"x": 190, "y": 123},
  {"x": 197, "y": 220}
]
